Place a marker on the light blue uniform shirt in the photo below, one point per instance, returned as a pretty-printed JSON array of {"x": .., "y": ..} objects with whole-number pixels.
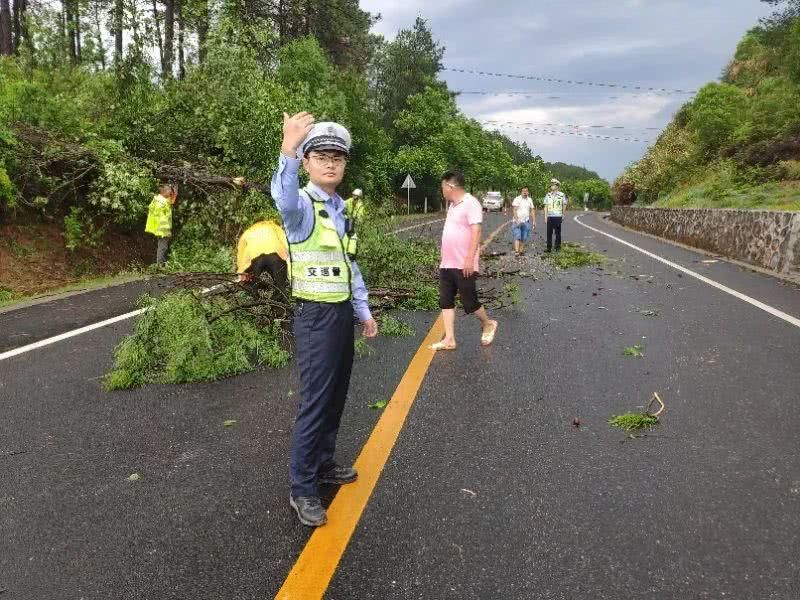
[{"x": 297, "y": 212}]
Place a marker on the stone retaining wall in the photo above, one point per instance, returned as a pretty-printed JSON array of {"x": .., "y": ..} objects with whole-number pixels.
[{"x": 764, "y": 238}]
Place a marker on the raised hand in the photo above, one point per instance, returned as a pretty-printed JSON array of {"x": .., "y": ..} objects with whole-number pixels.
[{"x": 295, "y": 130}]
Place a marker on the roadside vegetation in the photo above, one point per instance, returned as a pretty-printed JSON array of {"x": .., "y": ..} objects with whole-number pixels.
[{"x": 737, "y": 143}]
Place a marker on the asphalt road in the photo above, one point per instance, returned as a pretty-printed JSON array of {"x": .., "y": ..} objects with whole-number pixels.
[{"x": 490, "y": 491}]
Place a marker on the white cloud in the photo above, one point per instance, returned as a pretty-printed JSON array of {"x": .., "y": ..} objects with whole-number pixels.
[
  {"x": 606, "y": 48},
  {"x": 400, "y": 14}
]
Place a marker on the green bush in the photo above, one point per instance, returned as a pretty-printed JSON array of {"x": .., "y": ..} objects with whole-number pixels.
[
  {"x": 8, "y": 193},
  {"x": 182, "y": 338},
  {"x": 124, "y": 188},
  {"x": 717, "y": 110},
  {"x": 80, "y": 231},
  {"x": 190, "y": 254}
]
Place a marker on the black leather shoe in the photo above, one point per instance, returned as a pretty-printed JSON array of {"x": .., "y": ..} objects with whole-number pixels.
[
  {"x": 338, "y": 475},
  {"x": 309, "y": 510}
]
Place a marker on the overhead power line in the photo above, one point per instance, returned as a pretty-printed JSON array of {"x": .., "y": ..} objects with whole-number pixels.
[
  {"x": 609, "y": 138},
  {"x": 569, "y": 125},
  {"x": 558, "y": 95},
  {"x": 572, "y": 81}
]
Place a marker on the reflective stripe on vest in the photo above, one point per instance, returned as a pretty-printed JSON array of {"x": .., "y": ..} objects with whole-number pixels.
[
  {"x": 318, "y": 266},
  {"x": 310, "y": 256},
  {"x": 321, "y": 287}
]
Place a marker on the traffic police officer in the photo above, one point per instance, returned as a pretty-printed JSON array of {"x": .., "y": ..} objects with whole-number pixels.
[
  {"x": 554, "y": 203},
  {"x": 328, "y": 287}
]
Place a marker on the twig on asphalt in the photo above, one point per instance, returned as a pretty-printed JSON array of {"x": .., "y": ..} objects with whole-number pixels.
[
  {"x": 655, "y": 398},
  {"x": 12, "y": 453}
]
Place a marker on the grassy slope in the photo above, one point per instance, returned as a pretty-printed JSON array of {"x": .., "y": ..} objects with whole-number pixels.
[{"x": 783, "y": 195}]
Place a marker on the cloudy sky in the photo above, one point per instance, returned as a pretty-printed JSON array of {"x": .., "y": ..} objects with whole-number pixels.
[{"x": 664, "y": 44}]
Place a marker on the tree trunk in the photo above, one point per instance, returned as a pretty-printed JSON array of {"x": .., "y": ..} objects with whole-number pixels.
[
  {"x": 69, "y": 24},
  {"x": 158, "y": 34},
  {"x": 24, "y": 31},
  {"x": 281, "y": 21},
  {"x": 6, "y": 40},
  {"x": 77, "y": 29},
  {"x": 181, "y": 26},
  {"x": 99, "y": 34},
  {"x": 202, "y": 32},
  {"x": 169, "y": 39},
  {"x": 17, "y": 32},
  {"x": 118, "y": 19}
]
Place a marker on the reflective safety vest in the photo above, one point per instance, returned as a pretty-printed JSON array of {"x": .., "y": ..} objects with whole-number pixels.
[
  {"x": 159, "y": 217},
  {"x": 554, "y": 203},
  {"x": 319, "y": 267},
  {"x": 356, "y": 215},
  {"x": 264, "y": 237}
]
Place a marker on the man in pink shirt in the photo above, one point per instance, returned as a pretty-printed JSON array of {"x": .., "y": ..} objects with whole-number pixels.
[{"x": 458, "y": 271}]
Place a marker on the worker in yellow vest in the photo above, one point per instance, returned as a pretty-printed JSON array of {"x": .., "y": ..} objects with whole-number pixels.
[
  {"x": 263, "y": 247},
  {"x": 159, "y": 219},
  {"x": 355, "y": 205},
  {"x": 356, "y": 210}
]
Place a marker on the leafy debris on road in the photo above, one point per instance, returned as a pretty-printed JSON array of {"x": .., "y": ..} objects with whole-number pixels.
[
  {"x": 134, "y": 477},
  {"x": 188, "y": 336},
  {"x": 647, "y": 313},
  {"x": 529, "y": 265},
  {"x": 574, "y": 255},
  {"x": 230, "y": 422},
  {"x": 632, "y": 421},
  {"x": 637, "y": 351},
  {"x": 513, "y": 292},
  {"x": 394, "y": 327},
  {"x": 380, "y": 404},
  {"x": 363, "y": 348},
  {"x": 469, "y": 492}
]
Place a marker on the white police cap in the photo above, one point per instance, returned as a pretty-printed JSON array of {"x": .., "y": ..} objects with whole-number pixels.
[{"x": 326, "y": 136}]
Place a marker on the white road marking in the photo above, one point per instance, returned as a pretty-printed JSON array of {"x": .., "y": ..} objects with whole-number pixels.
[
  {"x": 69, "y": 334},
  {"x": 757, "y": 303},
  {"x": 86, "y": 329},
  {"x": 418, "y": 225},
  {"x": 130, "y": 315}
]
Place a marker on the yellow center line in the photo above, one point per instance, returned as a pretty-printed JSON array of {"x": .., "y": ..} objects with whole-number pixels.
[{"x": 317, "y": 563}]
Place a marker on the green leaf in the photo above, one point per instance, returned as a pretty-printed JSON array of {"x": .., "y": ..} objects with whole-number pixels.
[
  {"x": 637, "y": 351},
  {"x": 380, "y": 404},
  {"x": 134, "y": 477},
  {"x": 230, "y": 422},
  {"x": 633, "y": 421}
]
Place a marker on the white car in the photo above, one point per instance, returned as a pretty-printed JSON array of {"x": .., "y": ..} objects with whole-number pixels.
[{"x": 493, "y": 201}]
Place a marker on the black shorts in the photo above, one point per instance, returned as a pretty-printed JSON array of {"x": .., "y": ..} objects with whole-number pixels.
[{"x": 452, "y": 281}]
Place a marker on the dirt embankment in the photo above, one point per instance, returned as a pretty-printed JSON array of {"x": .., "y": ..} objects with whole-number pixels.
[{"x": 34, "y": 259}]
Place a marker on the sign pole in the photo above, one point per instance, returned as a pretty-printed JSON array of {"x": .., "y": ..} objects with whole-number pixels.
[{"x": 407, "y": 185}]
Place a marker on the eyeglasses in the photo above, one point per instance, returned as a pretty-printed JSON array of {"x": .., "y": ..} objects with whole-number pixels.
[{"x": 329, "y": 159}]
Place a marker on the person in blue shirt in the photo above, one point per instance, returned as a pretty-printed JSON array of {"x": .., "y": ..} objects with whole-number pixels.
[{"x": 328, "y": 287}]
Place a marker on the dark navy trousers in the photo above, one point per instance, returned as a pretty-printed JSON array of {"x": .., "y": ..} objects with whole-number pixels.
[{"x": 324, "y": 345}]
